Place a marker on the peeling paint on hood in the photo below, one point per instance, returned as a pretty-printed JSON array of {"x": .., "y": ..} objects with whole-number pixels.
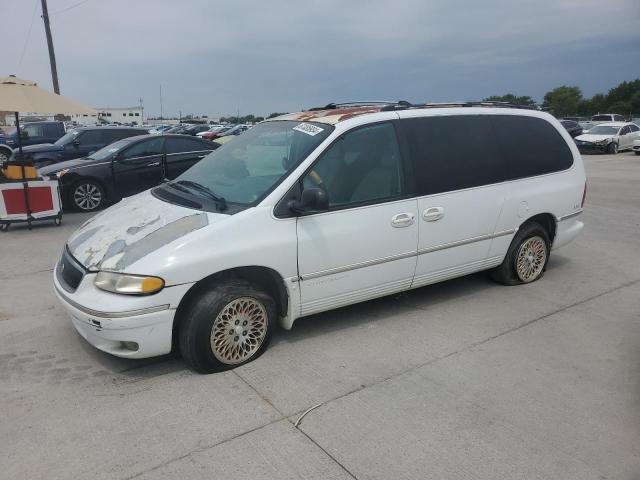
[{"x": 132, "y": 229}]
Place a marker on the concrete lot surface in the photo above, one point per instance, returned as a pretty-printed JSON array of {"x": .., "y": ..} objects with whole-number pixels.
[{"x": 462, "y": 380}]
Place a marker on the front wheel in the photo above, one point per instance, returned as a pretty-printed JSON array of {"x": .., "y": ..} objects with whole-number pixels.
[
  {"x": 527, "y": 257},
  {"x": 4, "y": 155},
  {"x": 612, "y": 148},
  {"x": 226, "y": 326},
  {"x": 87, "y": 196}
]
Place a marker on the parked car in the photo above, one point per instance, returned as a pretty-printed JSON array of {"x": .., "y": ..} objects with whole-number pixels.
[
  {"x": 33, "y": 133},
  {"x": 636, "y": 147},
  {"x": 608, "y": 137},
  {"x": 78, "y": 143},
  {"x": 125, "y": 168},
  {"x": 215, "y": 133},
  {"x": 158, "y": 129},
  {"x": 348, "y": 204},
  {"x": 232, "y": 132},
  {"x": 212, "y": 128},
  {"x": 608, "y": 117},
  {"x": 572, "y": 127}
]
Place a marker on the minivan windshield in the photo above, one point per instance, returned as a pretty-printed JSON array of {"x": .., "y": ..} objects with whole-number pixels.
[
  {"x": 67, "y": 137},
  {"x": 603, "y": 130},
  {"x": 243, "y": 170}
]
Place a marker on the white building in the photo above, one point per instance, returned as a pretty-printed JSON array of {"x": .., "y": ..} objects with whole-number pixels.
[{"x": 121, "y": 115}]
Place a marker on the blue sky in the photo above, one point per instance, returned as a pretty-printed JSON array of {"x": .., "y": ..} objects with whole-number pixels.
[{"x": 217, "y": 57}]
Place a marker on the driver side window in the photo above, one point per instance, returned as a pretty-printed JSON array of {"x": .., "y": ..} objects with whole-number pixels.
[{"x": 362, "y": 166}]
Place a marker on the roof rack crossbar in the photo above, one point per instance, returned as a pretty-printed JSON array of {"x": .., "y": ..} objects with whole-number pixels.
[{"x": 404, "y": 105}]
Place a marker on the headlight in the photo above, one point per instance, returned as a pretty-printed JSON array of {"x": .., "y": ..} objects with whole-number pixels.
[
  {"x": 603, "y": 142},
  {"x": 61, "y": 172},
  {"x": 128, "y": 284}
]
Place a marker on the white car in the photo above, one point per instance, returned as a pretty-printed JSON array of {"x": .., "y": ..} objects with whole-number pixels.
[
  {"x": 609, "y": 137},
  {"x": 636, "y": 147},
  {"x": 316, "y": 210}
]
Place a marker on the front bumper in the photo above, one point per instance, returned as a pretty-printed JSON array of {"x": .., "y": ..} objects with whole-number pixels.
[
  {"x": 130, "y": 327},
  {"x": 592, "y": 147}
]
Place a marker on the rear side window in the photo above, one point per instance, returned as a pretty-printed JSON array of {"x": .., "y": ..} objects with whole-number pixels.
[
  {"x": 181, "y": 145},
  {"x": 530, "y": 146},
  {"x": 634, "y": 127},
  {"x": 120, "y": 134},
  {"x": 452, "y": 152}
]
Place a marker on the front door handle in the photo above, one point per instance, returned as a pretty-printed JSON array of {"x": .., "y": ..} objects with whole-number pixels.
[
  {"x": 402, "y": 220},
  {"x": 154, "y": 164},
  {"x": 432, "y": 214}
]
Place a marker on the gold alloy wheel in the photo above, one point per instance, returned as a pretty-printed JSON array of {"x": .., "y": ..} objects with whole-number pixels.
[
  {"x": 532, "y": 256},
  {"x": 239, "y": 330}
]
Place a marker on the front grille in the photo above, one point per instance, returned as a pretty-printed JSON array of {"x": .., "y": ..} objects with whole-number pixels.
[{"x": 69, "y": 272}]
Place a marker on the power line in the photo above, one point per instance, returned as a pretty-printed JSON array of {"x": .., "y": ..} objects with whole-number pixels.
[
  {"x": 26, "y": 40},
  {"x": 69, "y": 8}
]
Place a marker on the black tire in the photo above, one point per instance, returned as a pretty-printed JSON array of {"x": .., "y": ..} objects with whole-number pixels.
[
  {"x": 612, "y": 148},
  {"x": 84, "y": 189},
  {"x": 637, "y": 153},
  {"x": 206, "y": 312},
  {"x": 507, "y": 272},
  {"x": 4, "y": 155}
]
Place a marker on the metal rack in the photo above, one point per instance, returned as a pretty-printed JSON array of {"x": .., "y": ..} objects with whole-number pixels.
[{"x": 404, "y": 105}]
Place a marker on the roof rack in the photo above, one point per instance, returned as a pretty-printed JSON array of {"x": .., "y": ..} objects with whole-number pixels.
[{"x": 404, "y": 105}]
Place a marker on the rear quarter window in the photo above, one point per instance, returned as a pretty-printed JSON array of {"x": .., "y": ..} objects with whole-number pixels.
[{"x": 530, "y": 146}]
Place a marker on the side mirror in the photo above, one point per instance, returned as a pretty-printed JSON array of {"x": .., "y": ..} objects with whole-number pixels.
[
  {"x": 24, "y": 135},
  {"x": 312, "y": 200},
  {"x": 76, "y": 143}
]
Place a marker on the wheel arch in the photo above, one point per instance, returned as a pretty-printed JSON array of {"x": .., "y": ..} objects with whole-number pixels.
[
  {"x": 267, "y": 278},
  {"x": 6, "y": 149},
  {"x": 547, "y": 220},
  {"x": 79, "y": 178}
]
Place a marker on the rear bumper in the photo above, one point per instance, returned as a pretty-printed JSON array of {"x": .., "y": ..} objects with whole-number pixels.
[{"x": 567, "y": 230}]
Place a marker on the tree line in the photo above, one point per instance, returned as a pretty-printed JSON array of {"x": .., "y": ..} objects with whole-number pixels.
[{"x": 567, "y": 101}]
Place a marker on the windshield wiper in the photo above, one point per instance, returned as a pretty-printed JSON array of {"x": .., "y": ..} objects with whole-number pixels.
[{"x": 205, "y": 190}]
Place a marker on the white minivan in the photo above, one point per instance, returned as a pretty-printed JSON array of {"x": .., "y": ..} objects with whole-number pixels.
[{"x": 317, "y": 210}]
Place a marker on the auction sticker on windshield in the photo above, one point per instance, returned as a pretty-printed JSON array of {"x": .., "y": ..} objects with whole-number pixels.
[{"x": 308, "y": 129}]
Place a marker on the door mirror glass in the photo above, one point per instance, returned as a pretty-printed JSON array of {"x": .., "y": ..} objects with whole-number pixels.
[
  {"x": 312, "y": 200},
  {"x": 76, "y": 143},
  {"x": 24, "y": 135}
]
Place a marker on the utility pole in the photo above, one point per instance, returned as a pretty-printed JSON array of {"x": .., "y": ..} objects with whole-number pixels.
[
  {"x": 52, "y": 55},
  {"x": 141, "y": 114}
]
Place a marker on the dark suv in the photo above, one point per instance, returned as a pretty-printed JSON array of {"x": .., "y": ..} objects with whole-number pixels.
[
  {"x": 32, "y": 133},
  {"x": 79, "y": 143}
]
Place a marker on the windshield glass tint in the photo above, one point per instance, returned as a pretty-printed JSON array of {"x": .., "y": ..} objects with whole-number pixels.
[
  {"x": 248, "y": 166},
  {"x": 109, "y": 150},
  {"x": 67, "y": 137},
  {"x": 603, "y": 130}
]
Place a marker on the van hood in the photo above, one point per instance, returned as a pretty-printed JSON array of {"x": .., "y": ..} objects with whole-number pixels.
[
  {"x": 132, "y": 229},
  {"x": 593, "y": 138}
]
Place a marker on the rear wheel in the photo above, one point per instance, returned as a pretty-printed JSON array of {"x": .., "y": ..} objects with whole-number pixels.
[
  {"x": 527, "y": 257},
  {"x": 87, "y": 196},
  {"x": 226, "y": 326}
]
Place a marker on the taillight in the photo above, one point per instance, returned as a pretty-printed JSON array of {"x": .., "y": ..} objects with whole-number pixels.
[{"x": 584, "y": 195}]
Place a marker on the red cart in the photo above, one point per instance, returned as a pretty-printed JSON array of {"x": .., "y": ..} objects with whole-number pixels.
[{"x": 28, "y": 201}]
